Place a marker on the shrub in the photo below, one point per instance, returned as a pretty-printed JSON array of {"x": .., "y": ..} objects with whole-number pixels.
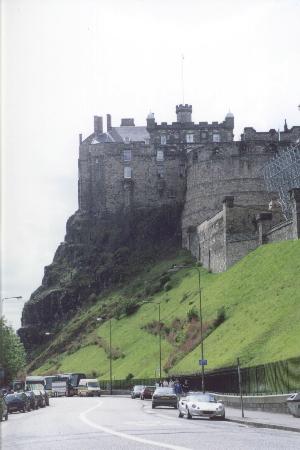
[
  {"x": 221, "y": 317},
  {"x": 129, "y": 376},
  {"x": 192, "y": 314},
  {"x": 167, "y": 286}
]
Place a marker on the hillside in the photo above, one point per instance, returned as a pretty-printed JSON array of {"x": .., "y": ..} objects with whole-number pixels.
[{"x": 251, "y": 311}]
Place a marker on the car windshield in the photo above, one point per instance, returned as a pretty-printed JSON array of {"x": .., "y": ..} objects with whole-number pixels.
[
  {"x": 138, "y": 388},
  {"x": 93, "y": 384},
  {"x": 164, "y": 391},
  {"x": 35, "y": 386},
  {"x": 10, "y": 397},
  {"x": 201, "y": 398}
]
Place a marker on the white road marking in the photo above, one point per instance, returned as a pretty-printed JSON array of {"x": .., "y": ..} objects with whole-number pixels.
[{"x": 83, "y": 417}]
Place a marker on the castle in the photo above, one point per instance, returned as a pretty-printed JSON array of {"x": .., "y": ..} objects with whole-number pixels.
[{"x": 218, "y": 181}]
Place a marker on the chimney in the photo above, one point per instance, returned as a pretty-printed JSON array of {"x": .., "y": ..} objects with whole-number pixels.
[
  {"x": 108, "y": 122},
  {"x": 127, "y": 122},
  {"x": 98, "y": 125}
]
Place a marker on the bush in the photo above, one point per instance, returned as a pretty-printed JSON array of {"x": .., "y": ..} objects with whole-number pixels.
[
  {"x": 167, "y": 286},
  {"x": 129, "y": 377},
  {"x": 192, "y": 314},
  {"x": 221, "y": 317}
]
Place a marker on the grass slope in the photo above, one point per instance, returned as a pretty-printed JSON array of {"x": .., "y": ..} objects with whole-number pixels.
[{"x": 261, "y": 296}]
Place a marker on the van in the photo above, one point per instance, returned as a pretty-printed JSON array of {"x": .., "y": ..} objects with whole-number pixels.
[{"x": 89, "y": 387}]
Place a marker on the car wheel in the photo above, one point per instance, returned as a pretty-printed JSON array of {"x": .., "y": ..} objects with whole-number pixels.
[
  {"x": 153, "y": 406},
  {"x": 175, "y": 406},
  {"x": 189, "y": 415},
  {"x": 6, "y": 417},
  {"x": 180, "y": 415}
]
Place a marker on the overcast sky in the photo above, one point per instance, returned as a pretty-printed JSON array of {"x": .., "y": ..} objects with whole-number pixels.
[{"x": 64, "y": 61}]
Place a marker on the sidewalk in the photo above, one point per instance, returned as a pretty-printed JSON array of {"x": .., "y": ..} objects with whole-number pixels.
[{"x": 264, "y": 419}]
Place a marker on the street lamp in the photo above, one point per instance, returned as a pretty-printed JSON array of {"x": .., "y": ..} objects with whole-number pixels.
[
  {"x": 159, "y": 324},
  {"x": 175, "y": 269},
  {"x": 100, "y": 319}
]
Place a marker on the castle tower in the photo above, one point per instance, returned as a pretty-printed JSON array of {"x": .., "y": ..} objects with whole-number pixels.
[{"x": 184, "y": 113}]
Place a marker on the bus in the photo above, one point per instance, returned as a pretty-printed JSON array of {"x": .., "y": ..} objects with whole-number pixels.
[{"x": 74, "y": 379}]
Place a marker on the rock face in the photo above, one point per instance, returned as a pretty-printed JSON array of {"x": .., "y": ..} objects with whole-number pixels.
[{"x": 97, "y": 253}]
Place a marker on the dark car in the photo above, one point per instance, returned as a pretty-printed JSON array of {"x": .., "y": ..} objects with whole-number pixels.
[
  {"x": 3, "y": 409},
  {"x": 164, "y": 396},
  {"x": 39, "y": 397},
  {"x": 136, "y": 391},
  {"x": 147, "y": 392},
  {"x": 17, "y": 402},
  {"x": 33, "y": 400},
  {"x": 40, "y": 393}
]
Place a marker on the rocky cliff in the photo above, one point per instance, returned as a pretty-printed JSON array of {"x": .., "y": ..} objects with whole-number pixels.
[{"x": 97, "y": 254}]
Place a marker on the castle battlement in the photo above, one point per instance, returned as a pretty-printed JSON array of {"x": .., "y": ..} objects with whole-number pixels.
[{"x": 187, "y": 163}]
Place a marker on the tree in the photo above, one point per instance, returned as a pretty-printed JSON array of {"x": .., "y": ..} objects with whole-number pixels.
[{"x": 12, "y": 352}]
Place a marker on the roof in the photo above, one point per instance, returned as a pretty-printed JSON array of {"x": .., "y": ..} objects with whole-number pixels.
[{"x": 129, "y": 134}]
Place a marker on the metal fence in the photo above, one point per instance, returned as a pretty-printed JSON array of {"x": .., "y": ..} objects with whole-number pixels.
[{"x": 280, "y": 377}]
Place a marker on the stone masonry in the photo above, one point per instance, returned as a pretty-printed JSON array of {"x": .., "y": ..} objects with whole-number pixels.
[{"x": 196, "y": 165}]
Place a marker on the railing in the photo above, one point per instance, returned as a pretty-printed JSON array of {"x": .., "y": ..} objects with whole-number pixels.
[{"x": 279, "y": 377}]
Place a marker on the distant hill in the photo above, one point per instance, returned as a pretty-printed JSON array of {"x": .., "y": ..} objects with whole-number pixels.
[{"x": 251, "y": 311}]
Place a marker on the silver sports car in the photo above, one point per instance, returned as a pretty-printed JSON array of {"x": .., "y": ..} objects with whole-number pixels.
[{"x": 201, "y": 405}]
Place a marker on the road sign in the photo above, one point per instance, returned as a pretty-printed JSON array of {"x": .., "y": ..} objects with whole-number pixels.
[{"x": 202, "y": 362}]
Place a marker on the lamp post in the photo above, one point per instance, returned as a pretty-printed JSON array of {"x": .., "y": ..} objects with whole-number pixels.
[
  {"x": 159, "y": 324},
  {"x": 100, "y": 319},
  {"x": 175, "y": 269}
]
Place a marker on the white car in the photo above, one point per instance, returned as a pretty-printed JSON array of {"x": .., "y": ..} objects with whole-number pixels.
[{"x": 198, "y": 404}]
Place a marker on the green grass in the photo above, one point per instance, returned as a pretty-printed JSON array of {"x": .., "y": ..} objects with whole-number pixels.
[{"x": 261, "y": 296}]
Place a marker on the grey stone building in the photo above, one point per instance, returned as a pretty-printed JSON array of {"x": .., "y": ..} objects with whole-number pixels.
[{"x": 218, "y": 181}]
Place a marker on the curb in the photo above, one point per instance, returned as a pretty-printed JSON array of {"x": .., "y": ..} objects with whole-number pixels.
[{"x": 264, "y": 425}]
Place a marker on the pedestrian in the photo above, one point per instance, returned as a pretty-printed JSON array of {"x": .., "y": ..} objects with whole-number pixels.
[
  {"x": 171, "y": 383},
  {"x": 177, "y": 388},
  {"x": 185, "y": 386},
  {"x": 165, "y": 383}
]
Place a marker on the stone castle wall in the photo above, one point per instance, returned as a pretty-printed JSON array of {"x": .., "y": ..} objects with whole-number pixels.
[{"x": 195, "y": 165}]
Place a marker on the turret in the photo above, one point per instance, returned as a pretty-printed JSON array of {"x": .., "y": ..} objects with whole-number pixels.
[
  {"x": 184, "y": 113},
  {"x": 229, "y": 120}
]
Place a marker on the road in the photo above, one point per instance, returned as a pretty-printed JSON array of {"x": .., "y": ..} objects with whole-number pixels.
[{"x": 116, "y": 423}]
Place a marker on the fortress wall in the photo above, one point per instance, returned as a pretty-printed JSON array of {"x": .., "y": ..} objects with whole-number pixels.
[
  {"x": 281, "y": 232},
  {"x": 229, "y": 169},
  {"x": 103, "y": 188}
]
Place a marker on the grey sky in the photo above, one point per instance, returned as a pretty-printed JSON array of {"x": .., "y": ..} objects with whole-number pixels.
[{"x": 64, "y": 61}]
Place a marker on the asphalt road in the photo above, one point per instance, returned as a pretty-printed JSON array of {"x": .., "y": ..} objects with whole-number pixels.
[{"x": 122, "y": 423}]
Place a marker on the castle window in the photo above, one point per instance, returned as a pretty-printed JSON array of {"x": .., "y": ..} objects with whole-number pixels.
[
  {"x": 163, "y": 139},
  {"x": 127, "y": 172},
  {"x": 181, "y": 170},
  {"x": 160, "y": 155},
  {"x": 127, "y": 139},
  {"x": 203, "y": 135},
  {"x": 160, "y": 171},
  {"x": 216, "y": 137},
  {"x": 189, "y": 138},
  {"x": 127, "y": 155}
]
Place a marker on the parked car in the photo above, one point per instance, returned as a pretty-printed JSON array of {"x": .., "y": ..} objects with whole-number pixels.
[
  {"x": 147, "y": 392},
  {"x": 3, "y": 409},
  {"x": 39, "y": 388},
  {"x": 17, "y": 402},
  {"x": 136, "y": 391},
  {"x": 164, "y": 396},
  {"x": 201, "y": 405},
  {"x": 33, "y": 400},
  {"x": 41, "y": 402},
  {"x": 89, "y": 387}
]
